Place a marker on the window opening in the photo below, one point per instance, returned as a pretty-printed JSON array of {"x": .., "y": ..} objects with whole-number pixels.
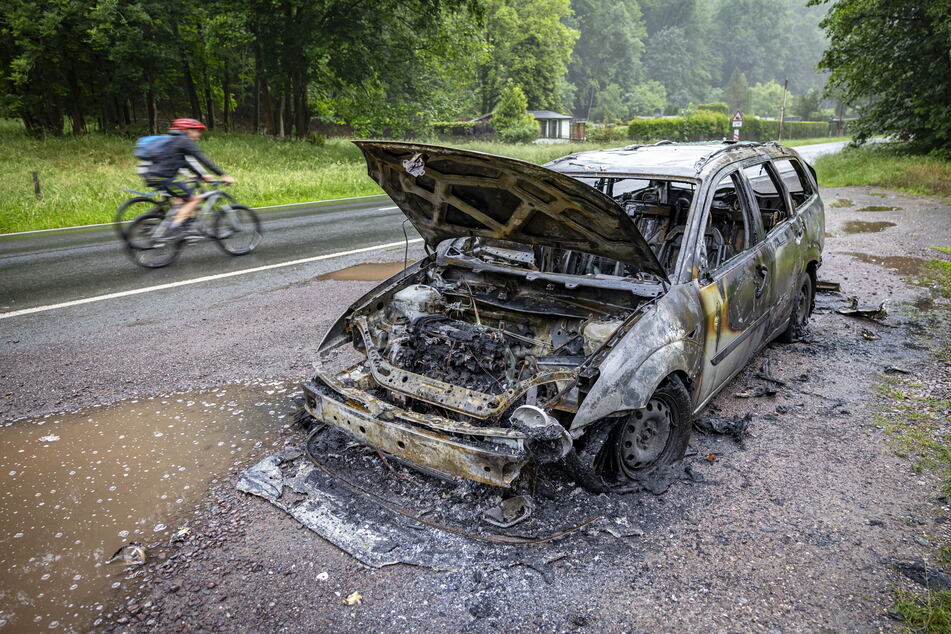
[
  {"x": 768, "y": 194},
  {"x": 797, "y": 183}
]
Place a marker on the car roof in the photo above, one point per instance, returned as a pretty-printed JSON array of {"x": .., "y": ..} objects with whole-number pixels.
[{"x": 688, "y": 161}]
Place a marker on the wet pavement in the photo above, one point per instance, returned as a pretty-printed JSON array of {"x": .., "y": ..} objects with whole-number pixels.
[{"x": 76, "y": 487}]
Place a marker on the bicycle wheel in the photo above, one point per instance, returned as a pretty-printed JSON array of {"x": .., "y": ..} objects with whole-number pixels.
[
  {"x": 145, "y": 248},
  {"x": 237, "y": 229},
  {"x": 132, "y": 209}
]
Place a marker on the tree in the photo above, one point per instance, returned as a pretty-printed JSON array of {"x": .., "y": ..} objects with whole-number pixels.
[
  {"x": 608, "y": 51},
  {"x": 678, "y": 50},
  {"x": 528, "y": 44},
  {"x": 807, "y": 106},
  {"x": 609, "y": 105},
  {"x": 737, "y": 91},
  {"x": 890, "y": 60},
  {"x": 766, "y": 99},
  {"x": 647, "y": 98},
  {"x": 510, "y": 119}
]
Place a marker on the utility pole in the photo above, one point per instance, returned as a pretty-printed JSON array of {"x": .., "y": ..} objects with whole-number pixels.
[{"x": 782, "y": 111}]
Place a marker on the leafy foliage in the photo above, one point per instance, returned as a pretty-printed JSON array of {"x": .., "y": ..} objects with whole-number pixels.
[
  {"x": 890, "y": 60},
  {"x": 511, "y": 120}
]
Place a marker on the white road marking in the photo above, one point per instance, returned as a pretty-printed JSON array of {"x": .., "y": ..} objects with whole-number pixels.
[
  {"x": 387, "y": 208},
  {"x": 207, "y": 278},
  {"x": 106, "y": 224}
]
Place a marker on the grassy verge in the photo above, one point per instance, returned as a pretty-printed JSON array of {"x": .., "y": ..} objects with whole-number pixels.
[
  {"x": 925, "y": 613},
  {"x": 886, "y": 165},
  {"x": 821, "y": 139},
  {"x": 80, "y": 178},
  {"x": 916, "y": 413}
]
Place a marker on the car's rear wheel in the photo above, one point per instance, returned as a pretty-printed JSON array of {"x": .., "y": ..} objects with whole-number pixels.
[{"x": 801, "y": 311}]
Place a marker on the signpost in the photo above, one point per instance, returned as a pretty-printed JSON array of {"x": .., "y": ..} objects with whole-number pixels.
[{"x": 737, "y": 124}]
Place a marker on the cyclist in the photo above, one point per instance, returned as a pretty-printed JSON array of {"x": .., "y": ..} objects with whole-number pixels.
[{"x": 182, "y": 153}]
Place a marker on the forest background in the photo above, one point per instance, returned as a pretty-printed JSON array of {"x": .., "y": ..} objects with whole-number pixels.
[{"x": 394, "y": 67}]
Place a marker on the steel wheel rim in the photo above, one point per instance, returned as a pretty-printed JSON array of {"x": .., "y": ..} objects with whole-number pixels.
[
  {"x": 644, "y": 436},
  {"x": 802, "y": 310}
]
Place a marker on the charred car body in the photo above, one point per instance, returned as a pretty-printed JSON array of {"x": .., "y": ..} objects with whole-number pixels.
[{"x": 583, "y": 310}]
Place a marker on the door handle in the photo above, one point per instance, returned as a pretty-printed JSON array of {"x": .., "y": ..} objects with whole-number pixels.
[{"x": 762, "y": 274}]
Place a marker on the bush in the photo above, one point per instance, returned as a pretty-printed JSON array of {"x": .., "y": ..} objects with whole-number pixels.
[
  {"x": 316, "y": 138},
  {"x": 717, "y": 106},
  {"x": 455, "y": 128},
  {"x": 606, "y": 133},
  {"x": 525, "y": 133}
]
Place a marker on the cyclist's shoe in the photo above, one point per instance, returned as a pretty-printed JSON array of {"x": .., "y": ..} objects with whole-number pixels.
[{"x": 172, "y": 235}]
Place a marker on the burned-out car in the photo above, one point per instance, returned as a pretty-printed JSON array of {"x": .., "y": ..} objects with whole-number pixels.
[{"x": 582, "y": 311}]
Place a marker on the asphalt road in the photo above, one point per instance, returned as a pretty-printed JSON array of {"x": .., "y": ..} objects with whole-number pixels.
[{"x": 54, "y": 267}]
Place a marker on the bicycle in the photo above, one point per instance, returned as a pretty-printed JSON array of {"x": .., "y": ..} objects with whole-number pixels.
[{"x": 150, "y": 242}]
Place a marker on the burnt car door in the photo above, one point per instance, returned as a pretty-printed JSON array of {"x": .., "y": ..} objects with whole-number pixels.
[
  {"x": 784, "y": 233},
  {"x": 732, "y": 268}
]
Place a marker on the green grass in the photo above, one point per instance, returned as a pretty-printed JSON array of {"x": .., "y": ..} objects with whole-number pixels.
[
  {"x": 80, "y": 177},
  {"x": 821, "y": 139},
  {"x": 925, "y": 613},
  {"x": 886, "y": 165}
]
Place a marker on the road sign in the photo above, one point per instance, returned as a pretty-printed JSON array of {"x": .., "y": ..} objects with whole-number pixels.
[
  {"x": 737, "y": 119},
  {"x": 736, "y": 134}
]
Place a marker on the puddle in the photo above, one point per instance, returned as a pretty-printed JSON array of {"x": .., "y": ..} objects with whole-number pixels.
[
  {"x": 879, "y": 208},
  {"x": 924, "y": 303},
  {"x": 76, "y": 487},
  {"x": 899, "y": 263},
  {"x": 840, "y": 202},
  {"x": 859, "y": 226},
  {"x": 370, "y": 272}
]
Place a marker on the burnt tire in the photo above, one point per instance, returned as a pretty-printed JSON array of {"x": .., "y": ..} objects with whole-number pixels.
[
  {"x": 635, "y": 446},
  {"x": 801, "y": 311}
]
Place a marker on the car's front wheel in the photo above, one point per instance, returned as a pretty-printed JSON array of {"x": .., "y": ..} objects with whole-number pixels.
[{"x": 636, "y": 445}]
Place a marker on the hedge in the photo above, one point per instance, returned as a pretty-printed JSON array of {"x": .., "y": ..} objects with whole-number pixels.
[
  {"x": 699, "y": 126},
  {"x": 704, "y": 125}
]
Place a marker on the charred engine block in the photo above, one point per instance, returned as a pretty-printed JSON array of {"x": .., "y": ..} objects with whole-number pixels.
[
  {"x": 424, "y": 339},
  {"x": 460, "y": 353}
]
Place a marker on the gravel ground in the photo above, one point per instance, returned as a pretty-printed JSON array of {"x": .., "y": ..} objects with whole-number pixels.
[{"x": 793, "y": 529}]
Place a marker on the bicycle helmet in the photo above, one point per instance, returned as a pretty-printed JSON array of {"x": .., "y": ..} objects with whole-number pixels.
[{"x": 187, "y": 124}]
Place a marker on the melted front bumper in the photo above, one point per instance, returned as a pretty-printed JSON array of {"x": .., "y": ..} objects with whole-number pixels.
[{"x": 490, "y": 455}]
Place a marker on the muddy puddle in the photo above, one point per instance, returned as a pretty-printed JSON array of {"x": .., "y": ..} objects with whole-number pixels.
[
  {"x": 368, "y": 272},
  {"x": 860, "y": 226},
  {"x": 901, "y": 264},
  {"x": 76, "y": 487}
]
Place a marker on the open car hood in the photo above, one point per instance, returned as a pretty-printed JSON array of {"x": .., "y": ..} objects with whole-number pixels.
[{"x": 449, "y": 193}]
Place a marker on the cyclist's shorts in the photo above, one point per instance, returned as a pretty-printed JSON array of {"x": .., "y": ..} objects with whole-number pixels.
[{"x": 174, "y": 188}]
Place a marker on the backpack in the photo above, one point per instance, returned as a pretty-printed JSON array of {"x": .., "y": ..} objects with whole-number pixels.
[{"x": 149, "y": 148}]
